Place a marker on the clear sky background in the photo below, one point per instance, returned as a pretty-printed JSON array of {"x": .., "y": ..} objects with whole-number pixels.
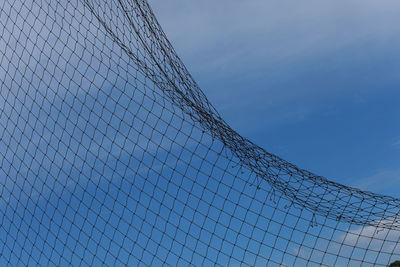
[{"x": 316, "y": 82}]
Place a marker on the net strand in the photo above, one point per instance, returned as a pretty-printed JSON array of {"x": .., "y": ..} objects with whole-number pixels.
[{"x": 111, "y": 154}]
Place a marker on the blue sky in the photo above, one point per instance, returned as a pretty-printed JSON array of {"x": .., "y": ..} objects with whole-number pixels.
[
  {"x": 316, "y": 82},
  {"x": 88, "y": 180}
]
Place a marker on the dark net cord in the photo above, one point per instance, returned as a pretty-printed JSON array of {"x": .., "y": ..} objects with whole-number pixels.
[
  {"x": 110, "y": 154},
  {"x": 177, "y": 81}
]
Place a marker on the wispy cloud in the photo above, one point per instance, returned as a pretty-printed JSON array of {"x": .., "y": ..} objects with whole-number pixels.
[
  {"x": 373, "y": 238},
  {"x": 396, "y": 144},
  {"x": 385, "y": 182},
  {"x": 226, "y": 35},
  {"x": 283, "y": 62}
]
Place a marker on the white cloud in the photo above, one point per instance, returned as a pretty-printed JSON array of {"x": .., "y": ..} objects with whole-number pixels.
[
  {"x": 396, "y": 144},
  {"x": 236, "y": 32},
  {"x": 282, "y": 59},
  {"x": 374, "y": 237},
  {"x": 384, "y": 182}
]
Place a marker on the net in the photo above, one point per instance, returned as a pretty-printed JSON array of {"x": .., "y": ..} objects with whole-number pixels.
[{"x": 110, "y": 154}]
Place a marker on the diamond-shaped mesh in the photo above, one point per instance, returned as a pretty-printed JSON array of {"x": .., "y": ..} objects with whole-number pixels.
[{"x": 110, "y": 154}]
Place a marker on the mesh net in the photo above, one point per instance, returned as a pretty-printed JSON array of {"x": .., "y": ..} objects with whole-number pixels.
[{"x": 110, "y": 154}]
